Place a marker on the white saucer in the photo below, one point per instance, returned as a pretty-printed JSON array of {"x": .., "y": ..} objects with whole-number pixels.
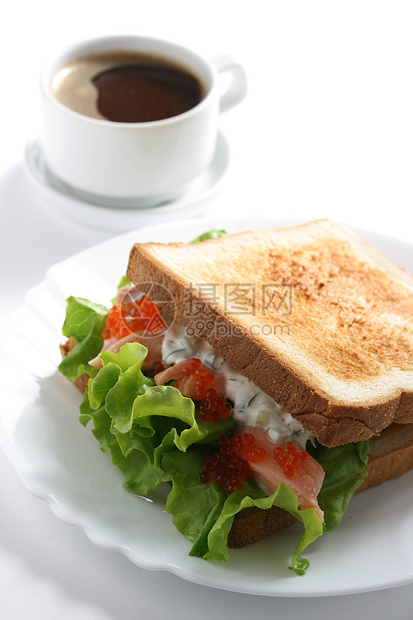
[{"x": 192, "y": 202}]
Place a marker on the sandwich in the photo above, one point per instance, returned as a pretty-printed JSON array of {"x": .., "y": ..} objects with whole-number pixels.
[{"x": 266, "y": 376}]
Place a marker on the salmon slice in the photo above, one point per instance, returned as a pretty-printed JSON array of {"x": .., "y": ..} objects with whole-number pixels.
[
  {"x": 306, "y": 483},
  {"x": 187, "y": 383}
]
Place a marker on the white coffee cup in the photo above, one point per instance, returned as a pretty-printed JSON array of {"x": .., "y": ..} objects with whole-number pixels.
[{"x": 149, "y": 162}]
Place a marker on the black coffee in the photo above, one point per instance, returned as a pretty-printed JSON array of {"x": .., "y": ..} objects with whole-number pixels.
[
  {"x": 126, "y": 87},
  {"x": 145, "y": 92}
]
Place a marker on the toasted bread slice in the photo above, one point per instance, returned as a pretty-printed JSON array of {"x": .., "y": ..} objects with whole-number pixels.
[
  {"x": 391, "y": 455},
  {"x": 312, "y": 314}
]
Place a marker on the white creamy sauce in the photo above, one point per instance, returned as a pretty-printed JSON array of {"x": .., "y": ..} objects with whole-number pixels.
[{"x": 252, "y": 406}]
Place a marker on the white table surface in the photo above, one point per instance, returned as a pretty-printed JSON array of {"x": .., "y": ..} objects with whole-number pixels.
[{"x": 326, "y": 131}]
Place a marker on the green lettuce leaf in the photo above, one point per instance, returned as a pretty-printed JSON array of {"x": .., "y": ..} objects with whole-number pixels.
[
  {"x": 139, "y": 475},
  {"x": 211, "y": 234},
  {"x": 195, "y": 507},
  {"x": 124, "y": 282},
  {"x": 283, "y": 497},
  {"x": 140, "y": 421},
  {"x": 345, "y": 468},
  {"x": 84, "y": 322},
  {"x": 130, "y": 382}
]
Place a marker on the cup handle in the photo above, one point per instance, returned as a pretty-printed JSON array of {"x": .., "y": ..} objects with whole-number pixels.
[{"x": 237, "y": 88}]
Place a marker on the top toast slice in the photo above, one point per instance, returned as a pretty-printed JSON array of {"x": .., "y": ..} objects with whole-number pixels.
[{"x": 312, "y": 314}]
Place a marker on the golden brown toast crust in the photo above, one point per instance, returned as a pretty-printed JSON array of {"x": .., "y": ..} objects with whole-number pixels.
[{"x": 343, "y": 365}]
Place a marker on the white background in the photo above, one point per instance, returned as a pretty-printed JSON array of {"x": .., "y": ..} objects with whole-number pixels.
[{"x": 326, "y": 131}]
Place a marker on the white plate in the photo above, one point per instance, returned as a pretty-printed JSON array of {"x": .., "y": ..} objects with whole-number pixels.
[
  {"x": 124, "y": 214},
  {"x": 60, "y": 461}
]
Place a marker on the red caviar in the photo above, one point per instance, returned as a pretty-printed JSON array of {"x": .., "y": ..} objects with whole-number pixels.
[
  {"x": 289, "y": 459},
  {"x": 203, "y": 379},
  {"x": 214, "y": 407},
  {"x": 131, "y": 317},
  {"x": 229, "y": 467},
  {"x": 248, "y": 449}
]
